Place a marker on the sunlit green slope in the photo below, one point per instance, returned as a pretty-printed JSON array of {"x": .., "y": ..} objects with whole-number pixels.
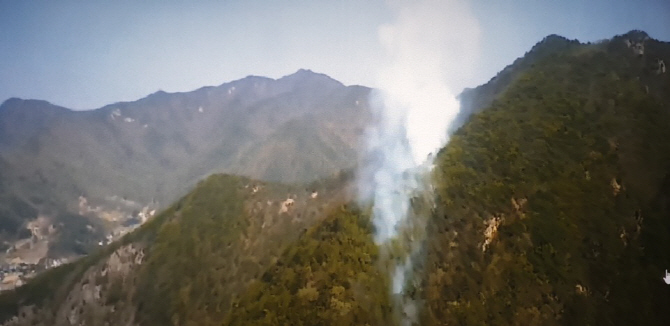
[{"x": 554, "y": 202}]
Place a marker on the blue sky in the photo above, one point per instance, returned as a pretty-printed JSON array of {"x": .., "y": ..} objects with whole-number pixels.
[{"x": 83, "y": 55}]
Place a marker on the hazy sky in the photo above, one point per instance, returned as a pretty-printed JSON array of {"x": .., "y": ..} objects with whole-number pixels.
[{"x": 85, "y": 54}]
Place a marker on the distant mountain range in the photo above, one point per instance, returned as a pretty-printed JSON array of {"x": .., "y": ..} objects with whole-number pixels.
[{"x": 297, "y": 128}]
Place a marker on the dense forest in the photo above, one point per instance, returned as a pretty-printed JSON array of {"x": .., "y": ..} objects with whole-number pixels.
[
  {"x": 568, "y": 172},
  {"x": 328, "y": 277}
]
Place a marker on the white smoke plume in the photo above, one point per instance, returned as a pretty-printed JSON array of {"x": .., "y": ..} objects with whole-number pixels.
[{"x": 429, "y": 49}]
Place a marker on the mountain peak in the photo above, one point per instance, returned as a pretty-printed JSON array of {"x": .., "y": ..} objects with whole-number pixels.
[
  {"x": 304, "y": 71},
  {"x": 14, "y": 101},
  {"x": 636, "y": 35},
  {"x": 10, "y": 102},
  {"x": 308, "y": 76},
  {"x": 159, "y": 94},
  {"x": 19, "y": 103},
  {"x": 553, "y": 42}
]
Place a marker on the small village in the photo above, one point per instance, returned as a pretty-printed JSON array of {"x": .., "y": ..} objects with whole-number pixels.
[{"x": 27, "y": 258}]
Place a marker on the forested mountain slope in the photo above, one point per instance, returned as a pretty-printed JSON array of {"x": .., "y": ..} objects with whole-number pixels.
[
  {"x": 187, "y": 265},
  {"x": 553, "y": 202},
  {"x": 551, "y": 206}
]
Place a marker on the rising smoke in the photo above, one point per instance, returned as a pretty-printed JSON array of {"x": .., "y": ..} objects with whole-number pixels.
[{"x": 428, "y": 49}]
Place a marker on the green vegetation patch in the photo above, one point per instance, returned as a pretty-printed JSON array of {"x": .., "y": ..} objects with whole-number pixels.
[
  {"x": 182, "y": 280},
  {"x": 566, "y": 170},
  {"x": 329, "y": 277}
]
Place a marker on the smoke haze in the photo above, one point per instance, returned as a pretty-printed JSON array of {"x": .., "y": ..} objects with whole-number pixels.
[{"x": 429, "y": 50}]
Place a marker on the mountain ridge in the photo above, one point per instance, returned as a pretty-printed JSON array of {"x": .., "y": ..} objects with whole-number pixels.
[
  {"x": 152, "y": 150},
  {"x": 299, "y": 74}
]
